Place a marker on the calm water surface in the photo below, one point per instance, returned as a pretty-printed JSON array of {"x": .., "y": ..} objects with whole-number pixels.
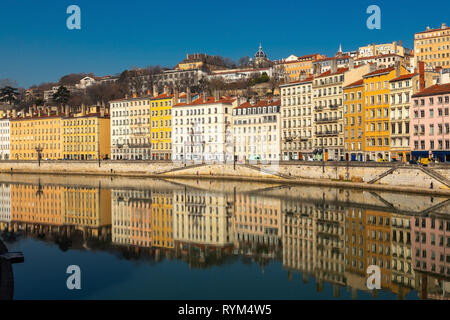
[{"x": 154, "y": 239}]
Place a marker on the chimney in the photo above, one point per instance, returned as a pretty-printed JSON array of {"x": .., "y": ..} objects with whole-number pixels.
[
  {"x": 351, "y": 64},
  {"x": 176, "y": 95},
  {"x": 8, "y": 113},
  {"x": 397, "y": 68},
  {"x": 102, "y": 112},
  {"x": 333, "y": 65},
  {"x": 67, "y": 110},
  {"x": 149, "y": 92},
  {"x": 14, "y": 113},
  {"x": 188, "y": 95},
  {"x": 400, "y": 43},
  {"x": 126, "y": 96},
  {"x": 421, "y": 75},
  {"x": 166, "y": 89},
  {"x": 134, "y": 94},
  {"x": 216, "y": 95},
  {"x": 395, "y": 46},
  {"x": 83, "y": 109},
  {"x": 155, "y": 90}
]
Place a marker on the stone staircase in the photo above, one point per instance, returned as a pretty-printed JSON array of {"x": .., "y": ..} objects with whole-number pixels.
[
  {"x": 192, "y": 166},
  {"x": 435, "y": 175},
  {"x": 384, "y": 174},
  {"x": 267, "y": 171}
]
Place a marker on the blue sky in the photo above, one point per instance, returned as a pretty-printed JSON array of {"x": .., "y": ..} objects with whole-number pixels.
[{"x": 36, "y": 46}]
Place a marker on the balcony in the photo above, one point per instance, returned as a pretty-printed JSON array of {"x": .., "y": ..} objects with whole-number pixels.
[
  {"x": 327, "y": 133},
  {"x": 139, "y": 145},
  {"x": 325, "y": 120}
]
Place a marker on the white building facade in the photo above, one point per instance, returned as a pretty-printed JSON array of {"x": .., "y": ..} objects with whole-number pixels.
[
  {"x": 256, "y": 131},
  {"x": 4, "y": 139},
  {"x": 201, "y": 130},
  {"x": 297, "y": 121},
  {"x": 120, "y": 129}
]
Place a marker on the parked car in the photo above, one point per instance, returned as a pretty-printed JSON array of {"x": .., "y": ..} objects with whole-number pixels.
[
  {"x": 424, "y": 161},
  {"x": 382, "y": 160}
]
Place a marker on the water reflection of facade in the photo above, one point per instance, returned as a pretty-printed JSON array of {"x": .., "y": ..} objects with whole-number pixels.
[
  {"x": 202, "y": 218},
  {"x": 298, "y": 237},
  {"x": 61, "y": 209},
  {"x": 431, "y": 256},
  {"x": 5, "y": 203},
  {"x": 162, "y": 218},
  {"x": 257, "y": 219}
]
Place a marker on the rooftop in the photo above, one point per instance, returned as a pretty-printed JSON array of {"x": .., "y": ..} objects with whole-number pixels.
[
  {"x": 260, "y": 103},
  {"x": 379, "y": 72},
  {"x": 434, "y": 90},
  {"x": 358, "y": 83},
  {"x": 208, "y": 100},
  {"x": 405, "y": 76}
]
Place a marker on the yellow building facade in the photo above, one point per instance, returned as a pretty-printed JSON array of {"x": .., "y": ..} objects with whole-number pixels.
[
  {"x": 293, "y": 70},
  {"x": 86, "y": 136},
  {"x": 37, "y": 134},
  {"x": 161, "y": 126},
  {"x": 354, "y": 141},
  {"x": 377, "y": 112},
  {"x": 432, "y": 46},
  {"x": 162, "y": 219}
]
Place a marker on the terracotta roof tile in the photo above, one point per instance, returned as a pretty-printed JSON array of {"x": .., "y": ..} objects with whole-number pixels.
[
  {"x": 434, "y": 90},
  {"x": 355, "y": 84},
  {"x": 379, "y": 71},
  {"x": 403, "y": 77}
]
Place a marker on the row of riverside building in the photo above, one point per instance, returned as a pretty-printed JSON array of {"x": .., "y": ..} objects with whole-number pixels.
[
  {"x": 369, "y": 105},
  {"x": 355, "y": 113}
]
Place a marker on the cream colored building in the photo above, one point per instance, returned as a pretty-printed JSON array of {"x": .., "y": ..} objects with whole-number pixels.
[
  {"x": 297, "y": 120},
  {"x": 256, "y": 131},
  {"x": 120, "y": 129},
  {"x": 140, "y": 126},
  {"x": 328, "y": 107},
  {"x": 4, "y": 139},
  {"x": 201, "y": 130},
  {"x": 382, "y": 49}
]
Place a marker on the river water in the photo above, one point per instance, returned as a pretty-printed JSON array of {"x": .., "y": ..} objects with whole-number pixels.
[{"x": 190, "y": 239}]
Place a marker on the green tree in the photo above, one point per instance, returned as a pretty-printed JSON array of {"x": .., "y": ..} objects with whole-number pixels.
[
  {"x": 8, "y": 94},
  {"x": 61, "y": 96}
]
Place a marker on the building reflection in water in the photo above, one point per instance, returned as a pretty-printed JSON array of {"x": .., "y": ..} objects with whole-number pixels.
[{"x": 326, "y": 237}]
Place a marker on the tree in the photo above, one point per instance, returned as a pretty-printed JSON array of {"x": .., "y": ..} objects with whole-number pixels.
[
  {"x": 9, "y": 94},
  {"x": 39, "y": 101},
  {"x": 244, "y": 61},
  {"x": 73, "y": 78},
  {"x": 61, "y": 96},
  {"x": 8, "y": 82}
]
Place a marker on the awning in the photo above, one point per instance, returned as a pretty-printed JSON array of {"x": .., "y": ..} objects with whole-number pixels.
[{"x": 420, "y": 154}]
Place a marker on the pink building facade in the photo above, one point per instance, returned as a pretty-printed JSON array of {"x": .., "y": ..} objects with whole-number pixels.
[{"x": 430, "y": 123}]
